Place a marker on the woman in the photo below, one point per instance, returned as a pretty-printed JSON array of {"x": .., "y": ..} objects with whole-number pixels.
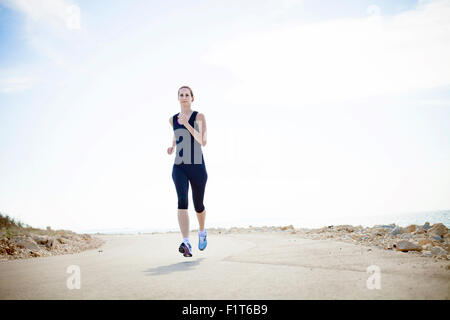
[{"x": 189, "y": 135}]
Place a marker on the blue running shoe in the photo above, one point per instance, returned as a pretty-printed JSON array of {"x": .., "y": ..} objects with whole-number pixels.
[
  {"x": 202, "y": 241},
  {"x": 185, "y": 249}
]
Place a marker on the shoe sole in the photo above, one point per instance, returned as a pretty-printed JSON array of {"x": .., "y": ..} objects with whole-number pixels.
[
  {"x": 181, "y": 250},
  {"x": 203, "y": 248}
]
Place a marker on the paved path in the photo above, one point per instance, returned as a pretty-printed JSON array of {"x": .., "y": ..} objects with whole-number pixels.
[{"x": 234, "y": 266}]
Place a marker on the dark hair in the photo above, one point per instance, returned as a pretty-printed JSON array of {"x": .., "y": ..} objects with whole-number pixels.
[{"x": 192, "y": 94}]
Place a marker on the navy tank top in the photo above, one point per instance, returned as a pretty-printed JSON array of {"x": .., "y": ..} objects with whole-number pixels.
[{"x": 183, "y": 136}]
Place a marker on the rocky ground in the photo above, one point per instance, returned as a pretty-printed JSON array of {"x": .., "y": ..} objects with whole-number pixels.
[
  {"x": 427, "y": 240},
  {"x": 20, "y": 243}
]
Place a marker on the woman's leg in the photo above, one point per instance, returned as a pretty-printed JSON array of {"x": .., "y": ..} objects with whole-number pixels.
[
  {"x": 183, "y": 222},
  {"x": 198, "y": 183},
  {"x": 182, "y": 186},
  {"x": 201, "y": 220}
]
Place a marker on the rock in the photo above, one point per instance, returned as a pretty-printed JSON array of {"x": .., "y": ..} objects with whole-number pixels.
[
  {"x": 438, "y": 251},
  {"x": 52, "y": 244},
  {"x": 321, "y": 230},
  {"x": 404, "y": 246},
  {"x": 447, "y": 238},
  {"x": 27, "y": 244},
  {"x": 386, "y": 226},
  {"x": 8, "y": 249},
  {"x": 406, "y": 236},
  {"x": 437, "y": 238},
  {"x": 426, "y": 226},
  {"x": 35, "y": 254},
  {"x": 378, "y": 232},
  {"x": 418, "y": 238},
  {"x": 438, "y": 229},
  {"x": 420, "y": 230},
  {"x": 62, "y": 240},
  {"x": 424, "y": 242},
  {"x": 395, "y": 231},
  {"x": 345, "y": 228},
  {"x": 410, "y": 228},
  {"x": 39, "y": 239},
  {"x": 427, "y": 254}
]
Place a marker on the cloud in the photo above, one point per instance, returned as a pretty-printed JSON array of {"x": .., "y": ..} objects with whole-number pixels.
[
  {"x": 52, "y": 29},
  {"x": 55, "y": 12},
  {"x": 278, "y": 8},
  {"x": 343, "y": 59},
  {"x": 17, "y": 84},
  {"x": 373, "y": 10}
]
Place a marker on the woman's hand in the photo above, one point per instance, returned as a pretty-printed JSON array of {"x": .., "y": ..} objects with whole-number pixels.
[
  {"x": 170, "y": 150},
  {"x": 183, "y": 119}
]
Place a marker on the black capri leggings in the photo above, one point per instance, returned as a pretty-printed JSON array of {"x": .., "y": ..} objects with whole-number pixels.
[{"x": 197, "y": 175}]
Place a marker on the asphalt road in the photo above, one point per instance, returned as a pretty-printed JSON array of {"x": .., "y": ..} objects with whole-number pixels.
[{"x": 233, "y": 266}]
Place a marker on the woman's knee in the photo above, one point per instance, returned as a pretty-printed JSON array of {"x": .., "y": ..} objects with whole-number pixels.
[
  {"x": 183, "y": 203},
  {"x": 199, "y": 207}
]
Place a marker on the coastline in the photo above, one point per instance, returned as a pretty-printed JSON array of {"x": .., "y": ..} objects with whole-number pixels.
[{"x": 426, "y": 240}]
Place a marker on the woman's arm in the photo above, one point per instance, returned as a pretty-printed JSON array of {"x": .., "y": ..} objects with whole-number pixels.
[
  {"x": 174, "y": 139},
  {"x": 200, "y": 136}
]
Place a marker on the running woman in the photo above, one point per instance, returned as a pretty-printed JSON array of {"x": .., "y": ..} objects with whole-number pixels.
[{"x": 189, "y": 136}]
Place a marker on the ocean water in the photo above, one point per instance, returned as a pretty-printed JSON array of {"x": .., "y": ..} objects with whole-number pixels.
[
  {"x": 126, "y": 230},
  {"x": 402, "y": 220},
  {"x": 305, "y": 220}
]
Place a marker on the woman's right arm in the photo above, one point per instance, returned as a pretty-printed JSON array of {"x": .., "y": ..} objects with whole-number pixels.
[{"x": 174, "y": 140}]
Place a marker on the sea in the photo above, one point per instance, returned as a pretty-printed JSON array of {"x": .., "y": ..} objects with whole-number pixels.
[{"x": 402, "y": 220}]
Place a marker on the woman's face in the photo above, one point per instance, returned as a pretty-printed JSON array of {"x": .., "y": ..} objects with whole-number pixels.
[{"x": 184, "y": 96}]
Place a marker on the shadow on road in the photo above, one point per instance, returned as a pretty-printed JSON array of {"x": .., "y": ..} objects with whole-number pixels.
[{"x": 181, "y": 266}]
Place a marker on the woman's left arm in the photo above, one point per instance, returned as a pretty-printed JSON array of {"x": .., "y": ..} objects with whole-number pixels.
[{"x": 200, "y": 136}]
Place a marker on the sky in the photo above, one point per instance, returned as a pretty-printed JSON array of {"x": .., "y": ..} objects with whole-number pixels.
[{"x": 315, "y": 111}]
